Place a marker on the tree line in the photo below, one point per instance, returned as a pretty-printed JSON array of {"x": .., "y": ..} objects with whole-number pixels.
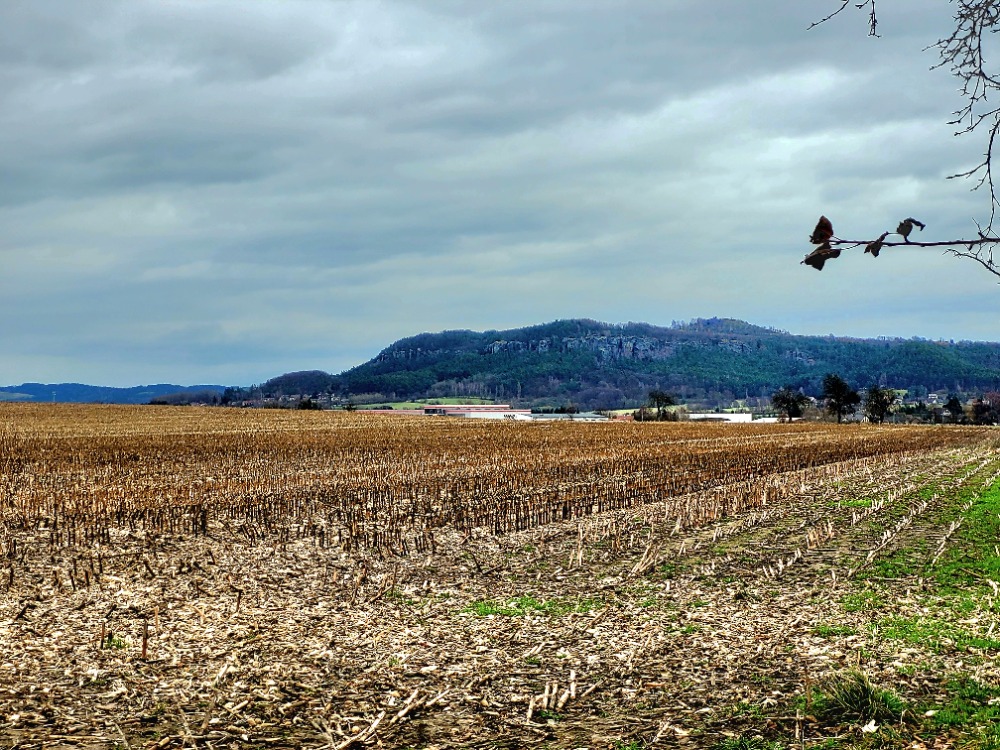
[{"x": 840, "y": 400}]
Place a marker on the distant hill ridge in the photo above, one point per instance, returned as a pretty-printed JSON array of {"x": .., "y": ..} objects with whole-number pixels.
[
  {"x": 602, "y": 365},
  {"x": 611, "y": 342},
  {"x": 85, "y": 394},
  {"x": 599, "y": 365}
]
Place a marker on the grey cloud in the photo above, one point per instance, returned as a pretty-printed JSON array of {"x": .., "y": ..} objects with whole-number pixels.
[{"x": 221, "y": 187}]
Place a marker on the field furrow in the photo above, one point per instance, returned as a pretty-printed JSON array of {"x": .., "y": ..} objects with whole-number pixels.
[{"x": 219, "y": 578}]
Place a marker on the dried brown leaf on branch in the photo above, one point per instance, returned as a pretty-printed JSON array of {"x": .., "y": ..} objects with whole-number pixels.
[
  {"x": 818, "y": 257},
  {"x": 822, "y": 232},
  {"x": 821, "y": 236},
  {"x": 875, "y": 247},
  {"x": 906, "y": 226}
]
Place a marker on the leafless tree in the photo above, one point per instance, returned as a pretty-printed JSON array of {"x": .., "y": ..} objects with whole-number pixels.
[{"x": 962, "y": 53}]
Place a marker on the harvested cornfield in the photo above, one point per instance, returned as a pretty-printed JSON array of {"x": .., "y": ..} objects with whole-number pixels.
[{"x": 183, "y": 577}]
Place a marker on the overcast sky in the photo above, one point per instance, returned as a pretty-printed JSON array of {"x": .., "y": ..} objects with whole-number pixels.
[{"x": 199, "y": 191}]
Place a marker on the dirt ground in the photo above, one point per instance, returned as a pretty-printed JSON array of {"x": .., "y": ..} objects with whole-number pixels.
[{"x": 649, "y": 627}]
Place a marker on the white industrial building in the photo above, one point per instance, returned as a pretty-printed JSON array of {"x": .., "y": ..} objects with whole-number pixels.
[{"x": 713, "y": 417}]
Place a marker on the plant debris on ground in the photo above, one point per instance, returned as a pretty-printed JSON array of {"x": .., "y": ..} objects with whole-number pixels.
[{"x": 847, "y": 600}]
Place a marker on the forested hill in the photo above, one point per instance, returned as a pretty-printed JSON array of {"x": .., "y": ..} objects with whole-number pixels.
[{"x": 599, "y": 365}]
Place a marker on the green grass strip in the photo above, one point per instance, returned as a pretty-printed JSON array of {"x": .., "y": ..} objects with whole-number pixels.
[{"x": 528, "y": 605}]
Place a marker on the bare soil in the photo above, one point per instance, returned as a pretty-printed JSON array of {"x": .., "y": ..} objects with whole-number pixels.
[{"x": 659, "y": 625}]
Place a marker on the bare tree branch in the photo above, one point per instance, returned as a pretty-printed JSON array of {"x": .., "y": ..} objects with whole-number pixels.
[
  {"x": 830, "y": 245},
  {"x": 962, "y": 52},
  {"x": 850, "y": 244},
  {"x": 872, "y": 18}
]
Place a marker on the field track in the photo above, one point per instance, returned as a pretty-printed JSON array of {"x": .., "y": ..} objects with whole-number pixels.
[{"x": 183, "y": 577}]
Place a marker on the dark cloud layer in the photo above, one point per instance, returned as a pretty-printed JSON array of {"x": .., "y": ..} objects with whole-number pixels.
[{"x": 201, "y": 190}]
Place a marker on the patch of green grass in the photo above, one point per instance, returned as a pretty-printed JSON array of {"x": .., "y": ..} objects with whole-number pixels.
[
  {"x": 928, "y": 491},
  {"x": 984, "y": 738},
  {"x": 970, "y": 703},
  {"x": 667, "y": 570},
  {"x": 852, "y": 697},
  {"x": 395, "y": 595},
  {"x": 938, "y": 635},
  {"x": 746, "y": 742},
  {"x": 749, "y": 710},
  {"x": 829, "y": 631},
  {"x": 964, "y": 604},
  {"x": 529, "y": 605},
  {"x": 900, "y": 564},
  {"x": 630, "y": 745},
  {"x": 114, "y": 642},
  {"x": 973, "y": 554},
  {"x": 862, "y": 601},
  {"x": 828, "y": 743}
]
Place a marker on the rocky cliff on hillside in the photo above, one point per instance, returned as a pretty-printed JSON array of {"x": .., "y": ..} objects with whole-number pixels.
[{"x": 600, "y": 365}]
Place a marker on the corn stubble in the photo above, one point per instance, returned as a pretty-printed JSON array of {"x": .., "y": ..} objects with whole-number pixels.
[
  {"x": 382, "y": 485},
  {"x": 245, "y": 575}
]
